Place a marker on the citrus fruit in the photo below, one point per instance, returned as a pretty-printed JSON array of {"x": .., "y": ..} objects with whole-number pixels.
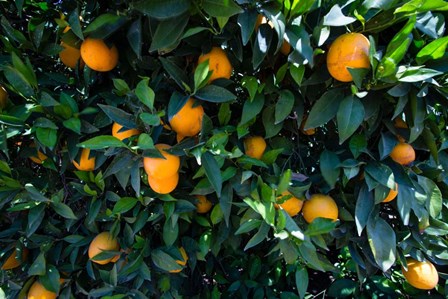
[
  {"x": 400, "y": 123},
  {"x": 182, "y": 262},
  {"x": 292, "y": 205},
  {"x": 348, "y": 50},
  {"x": 392, "y": 194},
  {"x": 403, "y": 153},
  {"x": 69, "y": 55},
  {"x": 203, "y": 205},
  {"x": 103, "y": 241},
  {"x": 421, "y": 275},
  {"x": 12, "y": 261},
  {"x": 40, "y": 158},
  {"x": 85, "y": 163},
  {"x": 320, "y": 205},
  {"x": 165, "y": 185},
  {"x": 161, "y": 168},
  {"x": 38, "y": 291},
  {"x": 187, "y": 122},
  {"x": 254, "y": 146},
  {"x": 123, "y": 134},
  {"x": 98, "y": 55},
  {"x": 285, "y": 48},
  {"x": 3, "y": 97},
  {"x": 218, "y": 63}
]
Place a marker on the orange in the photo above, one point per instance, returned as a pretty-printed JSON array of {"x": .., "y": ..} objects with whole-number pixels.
[
  {"x": 254, "y": 146},
  {"x": 320, "y": 205},
  {"x": 218, "y": 63},
  {"x": 400, "y": 124},
  {"x": 421, "y": 275},
  {"x": 348, "y": 50},
  {"x": 41, "y": 157},
  {"x": 38, "y": 291},
  {"x": 292, "y": 205},
  {"x": 182, "y": 262},
  {"x": 85, "y": 163},
  {"x": 12, "y": 261},
  {"x": 162, "y": 168},
  {"x": 70, "y": 56},
  {"x": 103, "y": 241},
  {"x": 403, "y": 153},
  {"x": 187, "y": 122},
  {"x": 98, "y": 55},
  {"x": 165, "y": 185},
  {"x": 203, "y": 205},
  {"x": 285, "y": 48},
  {"x": 392, "y": 194},
  {"x": 3, "y": 97},
  {"x": 123, "y": 134}
]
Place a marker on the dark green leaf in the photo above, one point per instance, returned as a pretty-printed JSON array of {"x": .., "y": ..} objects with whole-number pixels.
[
  {"x": 73, "y": 124},
  {"x": 145, "y": 94},
  {"x": 364, "y": 206},
  {"x": 124, "y": 204},
  {"x": 215, "y": 94},
  {"x": 47, "y": 137},
  {"x": 252, "y": 108},
  {"x": 382, "y": 242},
  {"x": 105, "y": 25},
  {"x": 38, "y": 267},
  {"x": 258, "y": 237},
  {"x": 100, "y": 142},
  {"x": 329, "y": 167},
  {"x": 176, "y": 73},
  {"x": 262, "y": 44},
  {"x": 284, "y": 105},
  {"x": 63, "y": 210},
  {"x": 164, "y": 261},
  {"x": 324, "y": 109},
  {"x": 320, "y": 226},
  {"x": 349, "y": 116},
  {"x": 221, "y": 8},
  {"x": 342, "y": 288},
  {"x": 51, "y": 279},
  {"x": 168, "y": 33},
  {"x": 301, "y": 278},
  {"x": 268, "y": 118},
  {"x": 134, "y": 37},
  {"x": 162, "y": 9},
  {"x": 119, "y": 116},
  {"x": 212, "y": 171}
]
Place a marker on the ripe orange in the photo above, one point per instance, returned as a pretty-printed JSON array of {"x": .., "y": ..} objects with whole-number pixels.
[
  {"x": 187, "y": 122},
  {"x": 103, "y": 241},
  {"x": 400, "y": 123},
  {"x": 3, "y": 97},
  {"x": 160, "y": 168},
  {"x": 41, "y": 157},
  {"x": 348, "y": 50},
  {"x": 38, "y": 291},
  {"x": 421, "y": 275},
  {"x": 218, "y": 63},
  {"x": 85, "y": 163},
  {"x": 320, "y": 205},
  {"x": 403, "y": 153},
  {"x": 12, "y": 261},
  {"x": 98, "y": 55},
  {"x": 182, "y": 262},
  {"x": 254, "y": 146},
  {"x": 70, "y": 55},
  {"x": 203, "y": 205},
  {"x": 165, "y": 185},
  {"x": 123, "y": 134},
  {"x": 392, "y": 194},
  {"x": 285, "y": 48},
  {"x": 292, "y": 205}
]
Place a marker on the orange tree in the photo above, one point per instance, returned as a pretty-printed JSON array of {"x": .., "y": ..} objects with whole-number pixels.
[{"x": 119, "y": 117}]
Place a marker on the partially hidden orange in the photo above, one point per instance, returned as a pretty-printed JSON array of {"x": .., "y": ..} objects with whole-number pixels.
[
  {"x": 320, "y": 205},
  {"x": 218, "y": 62},
  {"x": 85, "y": 163},
  {"x": 98, "y": 55},
  {"x": 122, "y": 134},
  {"x": 103, "y": 241}
]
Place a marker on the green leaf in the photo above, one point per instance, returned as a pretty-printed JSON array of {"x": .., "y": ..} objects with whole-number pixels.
[
  {"x": 434, "y": 50},
  {"x": 104, "y": 25},
  {"x": 433, "y": 196},
  {"x": 176, "y": 73},
  {"x": 342, "y": 288},
  {"x": 170, "y": 232},
  {"x": 335, "y": 17},
  {"x": 18, "y": 81},
  {"x": 297, "y": 73},
  {"x": 73, "y": 124},
  {"x": 150, "y": 119},
  {"x": 301, "y": 278},
  {"x": 162, "y": 9},
  {"x": 100, "y": 142},
  {"x": 364, "y": 206},
  {"x": 358, "y": 145},
  {"x": 225, "y": 202},
  {"x": 381, "y": 173},
  {"x": 145, "y": 94},
  {"x": 212, "y": 171},
  {"x": 75, "y": 24},
  {"x": 63, "y": 210},
  {"x": 47, "y": 137},
  {"x": 268, "y": 118},
  {"x": 221, "y": 8},
  {"x": 284, "y": 105},
  {"x": 168, "y": 33},
  {"x": 11, "y": 121},
  {"x": 420, "y": 6},
  {"x": 38, "y": 267},
  {"x": 324, "y": 109},
  {"x": 246, "y": 21},
  {"x": 415, "y": 74},
  {"x": 329, "y": 167},
  {"x": 119, "y": 116},
  {"x": 262, "y": 43},
  {"x": 382, "y": 242},
  {"x": 51, "y": 279},
  {"x": 215, "y": 94},
  {"x": 145, "y": 142},
  {"x": 134, "y": 37},
  {"x": 164, "y": 261},
  {"x": 320, "y": 226},
  {"x": 201, "y": 75},
  {"x": 259, "y": 236},
  {"x": 124, "y": 204},
  {"x": 252, "y": 108},
  {"x": 349, "y": 116}
]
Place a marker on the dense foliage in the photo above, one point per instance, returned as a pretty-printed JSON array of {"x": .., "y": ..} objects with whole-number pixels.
[{"x": 323, "y": 136}]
